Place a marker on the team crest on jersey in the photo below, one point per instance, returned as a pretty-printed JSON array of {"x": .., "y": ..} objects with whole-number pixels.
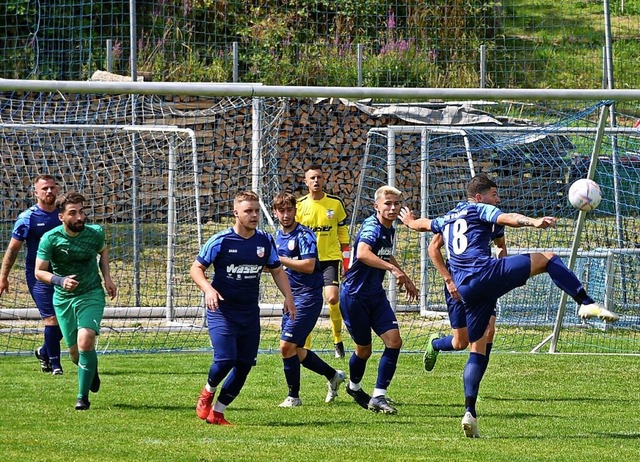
[
  {"x": 330, "y": 214},
  {"x": 260, "y": 251},
  {"x": 291, "y": 244}
]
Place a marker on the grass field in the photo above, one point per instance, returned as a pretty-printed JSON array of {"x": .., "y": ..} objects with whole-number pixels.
[{"x": 532, "y": 408}]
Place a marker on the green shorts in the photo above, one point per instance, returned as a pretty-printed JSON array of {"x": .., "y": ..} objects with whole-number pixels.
[{"x": 82, "y": 311}]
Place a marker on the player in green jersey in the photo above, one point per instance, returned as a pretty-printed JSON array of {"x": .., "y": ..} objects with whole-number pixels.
[{"x": 67, "y": 259}]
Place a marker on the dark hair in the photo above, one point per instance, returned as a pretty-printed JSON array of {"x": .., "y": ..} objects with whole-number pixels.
[
  {"x": 313, "y": 167},
  {"x": 284, "y": 199},
  {"x": 71, "y": 197},
  {"x": 480, "y": 184}
]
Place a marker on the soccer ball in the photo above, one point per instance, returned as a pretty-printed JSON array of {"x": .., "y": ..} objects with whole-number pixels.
[{"x": 584, "y": 194}]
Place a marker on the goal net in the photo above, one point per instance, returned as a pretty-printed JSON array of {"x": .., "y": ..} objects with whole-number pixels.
[{"x": 160, "y": 172}]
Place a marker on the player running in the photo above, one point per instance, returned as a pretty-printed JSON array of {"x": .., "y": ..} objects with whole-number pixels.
[
  {"x": 238, "y": 255},
  {"x": 67, "y": 260}
]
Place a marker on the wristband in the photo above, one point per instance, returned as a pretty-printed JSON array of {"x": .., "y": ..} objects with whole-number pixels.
[
  {"x": 346, "y": 258},
  {"x": 57, "y": 280}
]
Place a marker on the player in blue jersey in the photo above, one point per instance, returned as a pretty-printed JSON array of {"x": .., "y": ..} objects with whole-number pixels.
[
  {"x": 29, "y": 228},
  {"x": 459, "y": 338},
  {"x": 364, "y": 303},
  {"x": 238, "y": 255},
  {"x": 480, "y": 279},
  {"x": 298, "y": 251}
]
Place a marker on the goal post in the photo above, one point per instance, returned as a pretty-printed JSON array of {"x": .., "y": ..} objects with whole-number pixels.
[{"x": 194, "y": 146}]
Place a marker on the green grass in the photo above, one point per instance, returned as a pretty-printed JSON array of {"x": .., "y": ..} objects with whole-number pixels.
[{"x": 532, "y": 408}]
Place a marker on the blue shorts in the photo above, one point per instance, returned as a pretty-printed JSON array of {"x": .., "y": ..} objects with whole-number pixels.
[
  {"x": 481, "y": 292},
  {"x": 362, "y": 314},
  {"x": 42, "y": 295},
  {"x": 478, "y": 317},
  {"x": 501, "y": 276},
  {"x": 457, "y": 311},
  {"x": 307, "y": 312},
  {"x": 232, "y": 341}
]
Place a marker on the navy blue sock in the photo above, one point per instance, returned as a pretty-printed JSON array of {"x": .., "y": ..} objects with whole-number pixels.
[
  {"x": 387, "y": 367},
  {"x": 567, "y": 281},
  {"x": 471, "y": 377},
  {"x": 292, "y": 375},
  {"x": 234, "y": 383},
  {"x": 443, "y": 343},
  {"x": 218, "y": 371},
  {"x": 487, "y": 355},
  {"x": 357, "y": 367},
  {"x": 317, "y": 365},
  {"x": 52, "y": 336}
]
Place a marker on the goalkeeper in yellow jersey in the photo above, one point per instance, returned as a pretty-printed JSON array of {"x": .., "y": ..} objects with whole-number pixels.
[{"x": 326, "y": 216}]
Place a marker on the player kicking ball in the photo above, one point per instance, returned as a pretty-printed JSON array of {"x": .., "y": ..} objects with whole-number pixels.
[
  {"x": 481, "y": 279},
  {"x": 364, "y": 303},
  {"x": 298, "y": 252}
]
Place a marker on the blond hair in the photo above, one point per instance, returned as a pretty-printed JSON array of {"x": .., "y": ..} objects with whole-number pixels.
[{"x": 384, "y": 190}]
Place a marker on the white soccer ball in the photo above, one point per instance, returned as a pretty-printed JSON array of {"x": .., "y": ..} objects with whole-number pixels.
[{"x": 584, "y": 194}]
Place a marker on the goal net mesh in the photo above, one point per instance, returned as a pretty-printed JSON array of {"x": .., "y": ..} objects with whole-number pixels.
[{"x": 160, "y": 173}]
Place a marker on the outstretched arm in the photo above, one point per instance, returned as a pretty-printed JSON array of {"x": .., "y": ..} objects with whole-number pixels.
[
  {"x": 516, "y": 220},
  {"x": 409, "y": 219}
]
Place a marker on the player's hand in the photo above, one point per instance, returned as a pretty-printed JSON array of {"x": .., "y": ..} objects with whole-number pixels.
[
  {"x": 545, "y": 222},
  {"x": 212, "y": 299},
  {"x": 453, "y": 290},
  {"x": 290, "y": 308},
  {"x": 111, "y": 288},
  {"x": 4, "y": 286},
  {"x": 70, "y": 283},
  {"x": 406, "y": 216},
  {"x": 411, "y": 289}
]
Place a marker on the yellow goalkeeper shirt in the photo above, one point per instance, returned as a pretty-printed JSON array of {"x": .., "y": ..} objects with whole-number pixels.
[{"x": 328, "y": 220}]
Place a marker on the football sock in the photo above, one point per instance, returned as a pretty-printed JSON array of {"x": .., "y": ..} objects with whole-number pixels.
[
  {"x": 317, "y": 365},
  {"x": 52, "y": 337},
  {"x": 87, "y": 366},
  {"x": 336, "y": 322},
  {"x": 357, "y": 367},
  {"x": 219, "y": 407},
  {"x": 292, "y": 375},
  {"x": 471, "y": 377},
  {"x": 209, "y": 388},
  {"x": 234, "y": 383},
  {"x": 387, "y": 367},
  {"x": 567, "y": 281},
  {"x": 218, "y": 371},
  {"x": 443, "y": 343},
  {"x": 487, "y": 354},
  {"x": 379, "y": 392}
]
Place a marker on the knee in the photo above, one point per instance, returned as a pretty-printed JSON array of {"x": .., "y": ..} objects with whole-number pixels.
[
  {"x": 394, "y": 342},
  {"x": 333, "y": 299},
  {"x": 287, "y": 349},
  {"x": 363, "y": 352},
  {"x": 459, "y": 344}
]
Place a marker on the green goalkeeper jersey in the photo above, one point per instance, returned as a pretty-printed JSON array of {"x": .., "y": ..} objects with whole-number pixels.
[{"x": 74, "y": 255}]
